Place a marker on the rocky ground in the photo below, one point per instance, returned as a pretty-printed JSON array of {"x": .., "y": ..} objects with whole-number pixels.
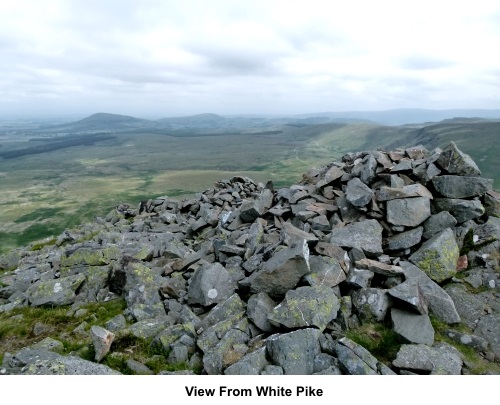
[{"x": 383, "y": 263}]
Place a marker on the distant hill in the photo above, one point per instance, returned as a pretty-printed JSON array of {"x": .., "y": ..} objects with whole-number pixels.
[
  {"x": 103, "y": 122},
  {"x": 407, "y": 115}
]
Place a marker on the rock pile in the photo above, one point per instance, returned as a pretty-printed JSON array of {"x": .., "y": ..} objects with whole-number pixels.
[{"x": 246, "y": 279}]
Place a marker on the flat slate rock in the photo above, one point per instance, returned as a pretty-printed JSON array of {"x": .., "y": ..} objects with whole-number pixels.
[
  {"x": 462, "y": 210},
  {"x": 408, "y": 211},
  {"x": 439, "y": 302},
  {"x": 461, "y": 186},
  {"x": 443, "y": 359},
  {"x": 365, "y": 235},
  {"x": 414, "y": 328},
  {"x": 42, "y": 362}
]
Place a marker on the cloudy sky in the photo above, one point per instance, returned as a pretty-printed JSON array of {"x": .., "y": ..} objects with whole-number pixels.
[{"x": 160, "y": 58}]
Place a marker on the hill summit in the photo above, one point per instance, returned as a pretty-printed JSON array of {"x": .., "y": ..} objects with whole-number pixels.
[{"x": 386, "y": 262}]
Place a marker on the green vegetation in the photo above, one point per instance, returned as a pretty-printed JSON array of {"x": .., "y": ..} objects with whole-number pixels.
[
  {"x": 16, "y": 331},
  {"x": 16, "y": 327},
  {"x": 378, "y": 339},
  {"x": 473, "y": 360}
]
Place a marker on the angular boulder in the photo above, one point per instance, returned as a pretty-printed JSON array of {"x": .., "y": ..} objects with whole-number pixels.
[
  {"x": 282, "y": 271},
  {"x": 414, "y": 328},
  {"x": 454, "y": 161},
  {"x": 210, "y": 284},
  {"x": 295, "y": 351},
  {"x": 461, "y": 186},
  {"x": 438, "y": 256},
  {"x": 306, "y": 306},
  {"x": 408, "y": 211},
  {"x": 55, "y": 292},
  {"x": 365, "y": 235}
]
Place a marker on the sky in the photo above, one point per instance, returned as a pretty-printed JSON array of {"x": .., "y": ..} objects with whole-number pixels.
[{"x": 161, "y": 58}]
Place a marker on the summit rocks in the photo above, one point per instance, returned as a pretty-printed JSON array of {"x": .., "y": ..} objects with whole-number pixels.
[{"x": 248, "y": 279}]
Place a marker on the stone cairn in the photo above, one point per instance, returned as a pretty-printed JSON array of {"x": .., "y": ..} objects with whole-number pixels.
[{"x": 247, "y": 279}]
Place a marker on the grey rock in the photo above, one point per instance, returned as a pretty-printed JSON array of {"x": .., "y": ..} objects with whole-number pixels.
[
  {"x": 348, "y": 212},
  {"x": 40, "y": 328},
  {"x": 141, "y": 312},
  {"x": 55, "y": 292},
  {"x": 139, "y": 283},
  {"x": 365, "y": 235},
  {"x": 355, "y": 359},
  {"x": 138, "y": 368},
  {"x": 282, "y": 271},
  {"x": 461, "y": 186},
  {"x": 116, "y": 323},
  {"x": 210, "y": 284},
  {"x": 405, "y": 240},
  {"x": 102, "y": 339},
  {"x": 272, "y": 370},
  {"x": 393, "y": 193},
  {"x": 250, "y": 364},
  {"x": 371, "y": 304},
  {"x": 295, "y": 351},
  {"x": 462, "y": 210},
  {"x": 411, "y": 295},
  {"x": 492, "y": 203},
  {"x": 437, "y": 223},
  {"x": 258, "y": 307},
  {"x": 49, "y": 344},
  {"x": 292, "y": 236},
  {"x": 470, "y": 307},
  {"x": 379, "y": 267},
  {"x": 476, "y": 342},
  {"x": 488, "y": 327},
  {"x": 325, "y": 271},
  {"x": 228, "y": 351},
  {"x": 178, "y": 354},
  {"x": 438, "y": 300},
  {"x": 169, "y": 337},
  {"x": 227, "y": 309},
  {"x": 306, "y": 306},
  {"x": 148, "y": 328},
  {"x": 414, "y": 328},
  {"x": 358, "y": 193},
  {"x": 438, "y": 256},
  {"x": 443, "y": 359},
  {"x": 42, "y": 362},
  {"x": 360, "y": 278},
  {"x": 454, "y": 161},
  {"x": 408, "y": 211}
]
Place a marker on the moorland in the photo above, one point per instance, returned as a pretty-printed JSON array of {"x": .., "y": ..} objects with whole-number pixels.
[{"x": 56, "y": 175}]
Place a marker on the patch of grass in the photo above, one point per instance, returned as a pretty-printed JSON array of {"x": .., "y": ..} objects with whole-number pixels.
[
  {"x": 378, "y": 339},
  {"x": 37, "y": 215},
  {"x": 473, "y": 360},
  {"x": 16, "y": 327}
]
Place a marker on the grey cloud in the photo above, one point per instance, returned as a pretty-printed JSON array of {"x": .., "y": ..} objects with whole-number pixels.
[{"x": 425, "y": 63}]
